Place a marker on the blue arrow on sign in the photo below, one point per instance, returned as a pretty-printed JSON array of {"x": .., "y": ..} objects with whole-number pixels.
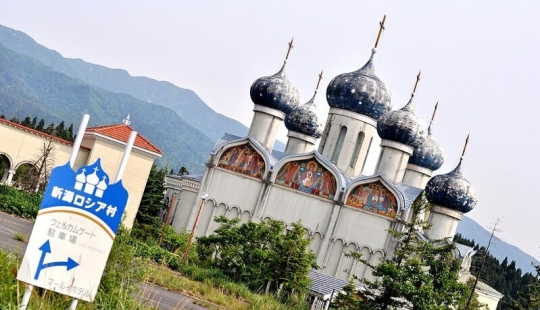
[{"x": 46, "y": 248}]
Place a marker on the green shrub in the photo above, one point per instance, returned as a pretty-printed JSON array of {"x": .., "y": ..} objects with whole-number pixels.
[{"x": 18, "y": 202}]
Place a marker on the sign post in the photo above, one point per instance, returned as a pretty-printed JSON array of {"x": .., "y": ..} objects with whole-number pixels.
[{"x": 74, "y": 230}]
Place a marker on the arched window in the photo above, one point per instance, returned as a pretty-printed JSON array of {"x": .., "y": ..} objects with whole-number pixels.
[
  {"x": 357, "y": 147},
  {"x": 367, "y": 154},
  {"x": 339, "y": 144}
]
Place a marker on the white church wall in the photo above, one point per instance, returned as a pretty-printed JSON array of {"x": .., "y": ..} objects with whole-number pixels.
[
  {"x": 363, "y": 227},
  {"x": 346, "y": 263},
  {"x": 183, "y": 205},
  {"x": 336, "y": 251},
  {"x": 234, "y": 189},
  {"x": 217, "y": 211},
  {"x": 316, "y": 240},
  {"x": 360, "y": 269},
  {"x": 291, "y": 205},
  {"x": 206, "y": 218}
]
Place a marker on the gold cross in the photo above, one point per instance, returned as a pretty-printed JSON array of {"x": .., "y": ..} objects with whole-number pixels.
[
  {"x": 380, "y": 30},
  {"x": 434, "y": 111},
  {"x": 319, "y": 81},
  {"x": 465, "y": 147},
  {"x": 417, "y": 80},
  {"x": 289, "y": 50}
]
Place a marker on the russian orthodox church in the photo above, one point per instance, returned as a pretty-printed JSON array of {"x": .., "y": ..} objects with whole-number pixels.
[{"x": 341, "y": 209}]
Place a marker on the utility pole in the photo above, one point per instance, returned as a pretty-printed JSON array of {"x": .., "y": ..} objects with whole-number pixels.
[{"x": 484, "y": 256}]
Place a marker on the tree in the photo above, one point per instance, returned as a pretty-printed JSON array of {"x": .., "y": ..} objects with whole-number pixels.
[
  {"x": 183, "y": 171},
  {"x": 41, "y": 125},
  {"x": 260, "y": 254},
  {"x": 529, "y": 298},
  {"x": 42, "y": 166},
  {"x": 147, "y": 221},
  {"x": 27, "y": 122},
  {"x": 421, "y": 275},
  {"x": 347, "y": 299}
]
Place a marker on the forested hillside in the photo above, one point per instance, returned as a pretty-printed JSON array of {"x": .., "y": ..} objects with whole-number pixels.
[
  {"x": 500, "y": 249},
  {"x": 503, "y": 276},
  {"x": 184, "y": 102},
  {"x": 30, "y": 88}
]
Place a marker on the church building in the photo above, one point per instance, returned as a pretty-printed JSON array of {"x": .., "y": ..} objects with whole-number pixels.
[{"x": 341, "y": 209}]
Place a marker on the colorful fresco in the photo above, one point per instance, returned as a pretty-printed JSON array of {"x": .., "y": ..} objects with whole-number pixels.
[
  {"x": 374, "y": 197},
  {"x": 243, "y": 159},
  {"x": 308, "y": 176}
]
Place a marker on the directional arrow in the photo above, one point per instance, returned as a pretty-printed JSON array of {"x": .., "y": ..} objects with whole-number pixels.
[
  {"x": 46, "y": 248},
  {"x": 70, "y": 264}
]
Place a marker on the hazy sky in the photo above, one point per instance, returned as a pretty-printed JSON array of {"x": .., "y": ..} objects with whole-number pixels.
[{"x": 479, "y": 58}]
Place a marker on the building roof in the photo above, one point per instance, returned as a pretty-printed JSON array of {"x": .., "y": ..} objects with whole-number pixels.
[
  {"x": 39, "y": 133},
  {"x": 324, "y": 285},
  {"x": 463, "y": 250},
  {"x": 409, "y": 192},
  {"x": 227, "y": 137},
  {"x": 121, "y": 132},
  {"x": 488, "y": 290}
]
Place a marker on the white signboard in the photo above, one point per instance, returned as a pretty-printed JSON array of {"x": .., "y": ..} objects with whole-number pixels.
[{"x": 74, "y": 231}]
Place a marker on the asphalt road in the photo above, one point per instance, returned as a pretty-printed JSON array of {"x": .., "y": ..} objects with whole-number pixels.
[{"x": 150, "y": 294}]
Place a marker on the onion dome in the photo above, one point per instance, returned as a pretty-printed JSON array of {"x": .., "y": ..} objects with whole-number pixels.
[
  {"x": 402, "y": 125},
  {"x": 360, "y": 91},
  {"x": 452, "y": 191},
  {"x": 429, "y": 154},
  {"x": 304, "y": 119},
  {"x": 276, "y": 91}
]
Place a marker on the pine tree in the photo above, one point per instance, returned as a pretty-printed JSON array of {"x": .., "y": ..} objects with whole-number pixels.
[
  {"x": 529, "y": 298},
  {"x": 183, "y": 171},
  {"x": 41, "y": 125},
  {"x": 147, "y": 221},
  {"x": 27, "y": 122}
]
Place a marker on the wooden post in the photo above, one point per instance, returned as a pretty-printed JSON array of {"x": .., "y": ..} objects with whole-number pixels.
[
  {"x": 203, "y": 200},
  {"x": 167, "y": 219}
]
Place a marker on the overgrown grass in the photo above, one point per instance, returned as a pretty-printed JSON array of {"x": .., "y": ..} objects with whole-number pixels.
[
  {"x": 20, "y": 237},
  {"x": 218, "y": 290},
  {"x": 206, "y": 283},
  {"x": 116, "y": 290}
]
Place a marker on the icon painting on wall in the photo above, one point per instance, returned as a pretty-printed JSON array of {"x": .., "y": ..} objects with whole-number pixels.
[
  {"x": 308, "y": 176},
  {"x": 243, "y": 159},
  {"x": 374, "y": 197}
]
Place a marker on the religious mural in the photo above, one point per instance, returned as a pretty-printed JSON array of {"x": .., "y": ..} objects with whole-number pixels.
[
  {"x": 243, "y": 159},
  {"x": 308, "y": 176},
  {"x": 374, "y": 197}
]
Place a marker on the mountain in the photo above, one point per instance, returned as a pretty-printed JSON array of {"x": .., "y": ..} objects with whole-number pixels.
[
  {"x": 29, "y": 88},
  {"x": 499, "y": 248},
  {"x": 183, "y": 101}
]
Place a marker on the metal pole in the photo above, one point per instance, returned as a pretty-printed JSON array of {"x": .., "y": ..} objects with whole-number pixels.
[
  {"x": 26, "y": 296},
  {"x": 73, "y": 305},
  {"x": 204, "y": 196},
  {"x": 167, "y": 219},
  {"x": 78, "y": 140},
  {"x": 125, "y": 157}
]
